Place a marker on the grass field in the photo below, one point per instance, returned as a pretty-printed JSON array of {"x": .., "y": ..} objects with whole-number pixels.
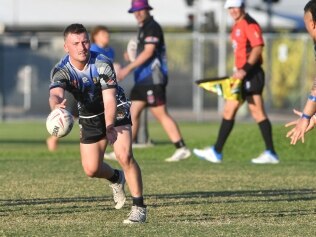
[{"x": 47, "y": 194}]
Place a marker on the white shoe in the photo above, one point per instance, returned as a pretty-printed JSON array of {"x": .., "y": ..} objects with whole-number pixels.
[
  {"x": 208, "y": 154},
  {"x": 266, "y": 158},
  {"x": 109, "y": 156},
  {"x": 118, "y": 191},
  {"x": 180, "y": 154},
  {"x": 137, "y": 215}
]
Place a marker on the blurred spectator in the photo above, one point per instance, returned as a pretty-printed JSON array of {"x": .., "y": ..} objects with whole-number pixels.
[{"x": 151, "y": 78}]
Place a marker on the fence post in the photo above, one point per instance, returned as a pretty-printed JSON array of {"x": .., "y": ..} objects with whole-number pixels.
[
  {"x": 2, "y": 99},
  {"x": 197, "y": 63}
]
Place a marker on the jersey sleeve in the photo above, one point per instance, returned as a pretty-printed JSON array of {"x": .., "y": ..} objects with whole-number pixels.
[
  {"x": 254, "y": 35},
  {"x": 152, "y": 35},
  {"x": 106, "y": 72},
  {"x": 59, "y": 78}
]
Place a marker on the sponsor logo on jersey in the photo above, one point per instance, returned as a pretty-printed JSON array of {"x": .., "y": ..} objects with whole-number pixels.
[{"x": 151, "y": 39}]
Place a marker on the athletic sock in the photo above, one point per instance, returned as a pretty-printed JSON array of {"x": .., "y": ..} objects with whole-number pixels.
[
  {"x": 179, "y": 144},
  {"x": 224, "y": 131},
  {"x": 266, "y": 132},
  {"x": 138, "y": 201},
  {"x": 116, "y": 177}
]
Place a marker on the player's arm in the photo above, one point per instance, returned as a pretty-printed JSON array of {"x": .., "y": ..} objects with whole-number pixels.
[
  {"x": 108, "y": 85},
  {"x": 254, "y": 35},
  {"x": 146, "y": 54},
  {"x": 56, "y": 98},
  {"x": 57, "y": 88},
  {"x": 252, "y": 59},
  {"x": 255, "y": 55},
  {"x": 109, "y": 100}
]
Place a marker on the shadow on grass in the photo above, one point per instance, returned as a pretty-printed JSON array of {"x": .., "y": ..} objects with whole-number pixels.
[
  {"x": 43, "y": 201},
  {"x": 189, "y": 201},
  {"x": 55, "y": 206},
  {"x": 191, "y": 198},
  {"x": 288, "y": 195}
]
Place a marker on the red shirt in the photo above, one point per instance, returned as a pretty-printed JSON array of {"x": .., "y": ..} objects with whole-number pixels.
[{"x": 245, "y": 35}]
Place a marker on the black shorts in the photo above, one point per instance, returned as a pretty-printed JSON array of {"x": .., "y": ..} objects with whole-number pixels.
[
  {"x": 253, "y": 83},
  {"x": 94, "y": 129},
  {"x": 153, "y": 95}
]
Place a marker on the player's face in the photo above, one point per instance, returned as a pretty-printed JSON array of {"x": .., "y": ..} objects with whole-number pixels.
[
  {"x": 141, "y": 16},
  {"x": 310, "y": 25},
  {"x": 78, "y": 48},
  {"x": 237, "y": 13}
]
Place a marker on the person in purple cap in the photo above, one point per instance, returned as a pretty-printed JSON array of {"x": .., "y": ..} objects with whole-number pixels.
[{"x": 151, "y": 78}]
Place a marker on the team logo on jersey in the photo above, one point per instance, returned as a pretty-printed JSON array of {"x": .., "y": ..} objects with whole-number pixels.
[{"x": 85, "y": 80}]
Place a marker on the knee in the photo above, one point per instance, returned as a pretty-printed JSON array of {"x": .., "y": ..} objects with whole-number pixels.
[
  {"x": 125, "y": 159},
  {"x": 258, "y": 115},
  {"x": 91, "y": 172},
  {"x": 229, "y": 114}
]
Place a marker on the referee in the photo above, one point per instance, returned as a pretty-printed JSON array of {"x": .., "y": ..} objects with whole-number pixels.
[{"x": 247, "y": 42}]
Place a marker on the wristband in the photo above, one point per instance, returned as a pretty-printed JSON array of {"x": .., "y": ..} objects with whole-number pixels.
[
  {"x": 312, "y": 98},
  {"x": 306, "y": 116},
  {"x": 247, "y": 67}
]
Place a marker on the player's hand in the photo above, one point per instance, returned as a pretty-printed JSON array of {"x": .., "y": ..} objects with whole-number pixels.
[
  {"x": 302, "y": 126},
  {"x": 111, "y": 134},
  {"x": 311, "y": 125},
  {"x": 123, "y": 72},
  {"x": 239, "y": 74}
]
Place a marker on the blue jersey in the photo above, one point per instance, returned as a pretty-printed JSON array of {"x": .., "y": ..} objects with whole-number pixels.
[
  {"x": 107, "y": 51},
  {"x": 154, "y": 71},
  {"x": 86, "y": 85}
]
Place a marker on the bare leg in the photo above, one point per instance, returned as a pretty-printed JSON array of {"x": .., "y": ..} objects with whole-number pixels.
[
  {"x": 142, "y": 133},
  {"x": 52, "y": 143},
  {"x": 124, "y": 154},
  {"x": 256, "y": 107},
  {"x": 167, "y": 122},
  {"x": 136, "y": 109},
  {"x": 92, "y": 160}
]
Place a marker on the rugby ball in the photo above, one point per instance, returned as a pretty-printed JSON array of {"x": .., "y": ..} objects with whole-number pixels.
[{"x": 59, "y": 122}]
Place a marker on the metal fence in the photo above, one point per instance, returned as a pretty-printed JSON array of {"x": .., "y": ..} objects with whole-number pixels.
[{"x": 26, "y": 61}]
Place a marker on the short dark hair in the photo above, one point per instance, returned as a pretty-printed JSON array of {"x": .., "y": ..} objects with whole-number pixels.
[
  {"x": 74, "y": 29},
  {"x": 96, "y": 30},
  {"x": 311, "y": 7}
]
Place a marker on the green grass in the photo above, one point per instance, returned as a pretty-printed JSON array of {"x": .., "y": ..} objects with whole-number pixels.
[{"x": 47, "y": 194}]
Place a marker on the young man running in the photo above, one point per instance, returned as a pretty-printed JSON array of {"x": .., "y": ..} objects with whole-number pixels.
[{"x": 104, "y": 116}]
